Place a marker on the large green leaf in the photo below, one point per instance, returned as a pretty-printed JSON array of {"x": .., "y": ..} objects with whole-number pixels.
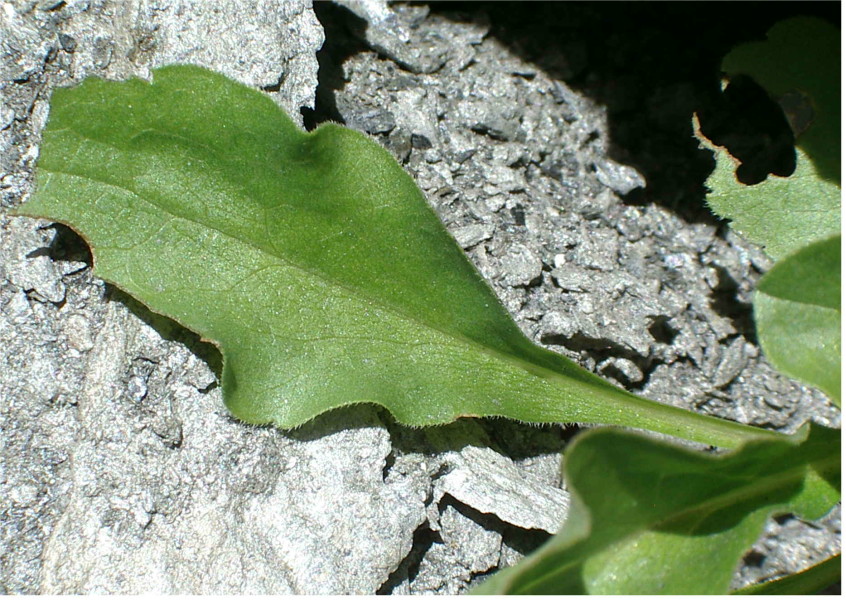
[
  {"x": 312, "y": 260},
  {"x": 650, "y": 518},
  {"x": 797, "y": 311}
]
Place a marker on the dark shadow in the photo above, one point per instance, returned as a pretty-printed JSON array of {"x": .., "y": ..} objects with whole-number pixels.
[
  {"x": 524, "y": 541},
  {"x": 67, "y": 245},
  {"x": 653, "y": 65},
  {"x": 724, "y": 302},
  {"x": 514, "y": 439},
  {"x": 753, "y": 128},
  {"x": 170, "y": 330},
  {"x": 336, "y": 420},
  {"x": 343, "y": 33},
  {"x": 408, "y": 569}
]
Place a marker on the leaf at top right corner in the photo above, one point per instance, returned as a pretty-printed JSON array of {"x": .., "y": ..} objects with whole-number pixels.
[
  {"x": 797, "y": 312},
  {"x": 796, "y": 218},
  {"x": 799, "y": 66}
]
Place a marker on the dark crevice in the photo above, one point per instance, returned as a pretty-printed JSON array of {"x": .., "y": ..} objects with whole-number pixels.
[
  {"x": 524, "y": 541},
  {"x": 478, "y": 578},
  {"x": 754, "y": 559},
  {"x": 519, "y": 441},
  {"x": 614, "y": 372},
  {"x": 275, "y": 87},
  {"x": 784, "y": 518},
  {"x": 424, "y": 538},
  {"x": 212, "y": 386},
  {"x": 725, "y": 302},
  {"x": 601, "y": 350},
  {"x": 39, "y": 252},
  {"x": 661, "y": 330},
  {"x": 67, "y": 245},
  {"x": 389, "y": 464},
  {"x": 342, "y": 30}
]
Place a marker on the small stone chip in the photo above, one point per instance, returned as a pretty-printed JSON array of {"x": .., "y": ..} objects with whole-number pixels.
[
  {"x": 470, "y": 235},
  {"x": 520, "y": 266}
]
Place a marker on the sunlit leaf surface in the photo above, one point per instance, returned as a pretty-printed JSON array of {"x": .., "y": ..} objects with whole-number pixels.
[{"x": 312, "y": 260}]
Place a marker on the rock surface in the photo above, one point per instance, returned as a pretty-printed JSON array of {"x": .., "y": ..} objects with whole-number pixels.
[{"x": 120, "y": 469}]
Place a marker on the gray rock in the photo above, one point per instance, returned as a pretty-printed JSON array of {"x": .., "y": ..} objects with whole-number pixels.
[
  {"x": 620, "y": 178},
  {"x": 28, "y": 266},
  {"x": 771, "y": 558},
  {"x": 520, "y": 266},
  {"x": 622, "y": 369},
  {"x": 479, "y": 478},
  {"x": 248, "y": 42},
  {"x": 404, "y": 34},
  {"x": 465, "y": 547},
  {"x": 120, "y": 469},
  {"x": 732, "y": 362},
  {"x": 470, "y": 235}
]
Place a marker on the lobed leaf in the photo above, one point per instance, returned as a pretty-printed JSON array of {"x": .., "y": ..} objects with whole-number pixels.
[
  {"x": 312, "y": 260},
  {"x": 783, "y": 214},
  {"x": 797, "y": 312},
  {"x": 647, "y": 517}
]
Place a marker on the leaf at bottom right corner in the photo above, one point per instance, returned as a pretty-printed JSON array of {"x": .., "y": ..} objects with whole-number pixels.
[
  {"x": 648, "y": 517},
  {"x": 797, "y": 315}
]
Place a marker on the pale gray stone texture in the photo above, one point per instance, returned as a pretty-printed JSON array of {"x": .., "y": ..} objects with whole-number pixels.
[{"x": 120, "y": 468}]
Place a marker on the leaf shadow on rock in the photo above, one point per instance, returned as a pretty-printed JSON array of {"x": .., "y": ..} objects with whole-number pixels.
[
  {"x": 513, "y": 439},
  {"x": 171, "y": 331},
  {"x": 343, "y": 31},
  {"x": 67, "y": 245}
]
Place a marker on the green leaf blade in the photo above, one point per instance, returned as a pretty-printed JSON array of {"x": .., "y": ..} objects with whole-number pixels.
[
  {"x": 312, "y": 260},
  {"x": 650, "y": 518},
  {"x": 798, "y": 314},
  {"x": 783, "y": 214},
  {"x": 809, "y": 276}
]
